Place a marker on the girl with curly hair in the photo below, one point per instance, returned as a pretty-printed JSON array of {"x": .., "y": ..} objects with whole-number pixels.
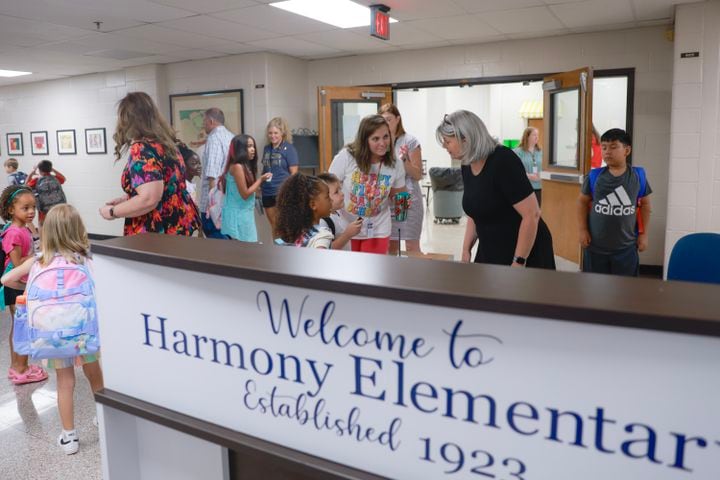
[
  {"x": 17, "y": 206},
  {"x": 302, "y": 202}
]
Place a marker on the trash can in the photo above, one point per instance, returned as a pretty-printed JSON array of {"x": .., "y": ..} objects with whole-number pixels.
[{"x": 447, "y": 187}]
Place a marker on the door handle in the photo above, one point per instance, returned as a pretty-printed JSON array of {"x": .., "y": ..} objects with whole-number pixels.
[{"x": 562, "y": 177}]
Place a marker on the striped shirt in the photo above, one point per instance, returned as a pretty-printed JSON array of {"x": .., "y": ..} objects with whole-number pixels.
[{"x": 213, "y": 159}]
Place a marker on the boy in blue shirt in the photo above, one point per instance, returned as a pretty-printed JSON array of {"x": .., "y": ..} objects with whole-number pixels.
[{"x": 614, "y": 210}]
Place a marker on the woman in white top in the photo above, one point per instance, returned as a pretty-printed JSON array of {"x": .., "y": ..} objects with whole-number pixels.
[
  {"x": 408, "y": 151},
  {"x": 370, "y": 178}
]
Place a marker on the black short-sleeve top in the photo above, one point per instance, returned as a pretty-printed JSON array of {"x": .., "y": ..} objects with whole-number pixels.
[{"x": 489, "y": 198}]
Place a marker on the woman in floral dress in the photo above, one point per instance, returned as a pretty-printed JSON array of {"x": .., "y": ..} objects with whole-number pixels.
[{"x": 156, "y": 197}]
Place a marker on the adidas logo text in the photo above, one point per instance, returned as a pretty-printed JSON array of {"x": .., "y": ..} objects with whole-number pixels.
[{"x": 616, "y": 204}]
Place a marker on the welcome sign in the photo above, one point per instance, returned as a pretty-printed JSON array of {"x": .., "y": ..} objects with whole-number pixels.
[{"x": 413, "y": 391}]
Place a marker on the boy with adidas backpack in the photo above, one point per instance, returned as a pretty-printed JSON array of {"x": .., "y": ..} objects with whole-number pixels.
[
  {"x": 60, "y": 323},
  {"x": 614, "y": 210},
  {"x": 47, "y": 186}
]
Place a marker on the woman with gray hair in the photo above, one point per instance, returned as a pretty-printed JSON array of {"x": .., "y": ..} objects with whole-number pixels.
[{"x": 503, "y": 212}]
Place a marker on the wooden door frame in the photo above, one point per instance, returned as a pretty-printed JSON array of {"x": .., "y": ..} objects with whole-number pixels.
[{"x": 326, "y": 94}]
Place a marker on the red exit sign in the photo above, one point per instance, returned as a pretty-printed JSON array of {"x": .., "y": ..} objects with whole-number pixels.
[{"x": 380, "y": 22}]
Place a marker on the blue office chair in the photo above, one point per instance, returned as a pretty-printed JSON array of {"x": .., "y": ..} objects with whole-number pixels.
[{"x": 696, "y": 258}]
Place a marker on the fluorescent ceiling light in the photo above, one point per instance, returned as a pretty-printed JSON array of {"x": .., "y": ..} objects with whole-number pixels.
[
  {"x": 12, "y": 73},
  {"x": 340, "y": 13}
]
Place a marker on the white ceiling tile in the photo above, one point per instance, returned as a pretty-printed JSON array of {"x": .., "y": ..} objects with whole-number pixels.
[
  {"x": 294, "y": 47},
  {"x": 657, "y": 9},
  {"x": 100, "y": 41},
  {"x": 456, "y": 28},
  {"x": 57, "y": 15},
  {"x": 47, "y": 31},
  {"x": 346, "y": 40},
  {"x": 274, "y": 20},
  {"x": 157, "y": 33},
  {"x": 591, "y": 13},
  {"x": 214, "y": 27},
  {"x": 475, "y": 6},
  {"x": 207, "y": 6},
  {"x": 404, "y": 10},
  {"x": 534, "y": 19}
]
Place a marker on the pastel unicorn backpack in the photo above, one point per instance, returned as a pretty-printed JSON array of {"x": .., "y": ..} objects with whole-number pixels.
[{"x": 61, "y": 310}]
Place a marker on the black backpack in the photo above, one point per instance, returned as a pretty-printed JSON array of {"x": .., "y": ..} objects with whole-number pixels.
[{"x": 49, "y": 193}]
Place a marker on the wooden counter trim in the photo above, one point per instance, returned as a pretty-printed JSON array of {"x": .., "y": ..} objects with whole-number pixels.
[
  {"x": 585, "y": 298},
  {"x": 303, "y": 463}
]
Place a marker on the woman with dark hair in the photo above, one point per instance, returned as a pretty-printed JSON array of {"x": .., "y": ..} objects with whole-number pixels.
[
  {"x": 370, "y": 176},
  {"x": 407, "y": 150},
  {"x": 156, "y": 197},
  {"x": 503, "y": 212},
  {"x": 239, "y": 184}
]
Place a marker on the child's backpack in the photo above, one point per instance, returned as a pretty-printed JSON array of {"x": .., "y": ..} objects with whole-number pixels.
[
  {"x": 17, "y": 178},
  {"x": 49, "y": 193},
  {"x": 61, "y": 312},
  {"x": 640, "y": 172}
]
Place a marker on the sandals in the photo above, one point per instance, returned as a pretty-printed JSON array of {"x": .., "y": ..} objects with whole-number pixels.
[{"x": 33, "y": 374}]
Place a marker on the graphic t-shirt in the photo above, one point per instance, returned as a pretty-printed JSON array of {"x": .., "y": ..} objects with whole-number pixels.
[
  {"x": 278, "y": 162},
  {"x": 612, "y": 220},
  {"x": 366, "y": 194}
]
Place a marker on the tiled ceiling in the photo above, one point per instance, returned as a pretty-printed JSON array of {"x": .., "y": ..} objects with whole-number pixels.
[{"x": 59, "y": 38}]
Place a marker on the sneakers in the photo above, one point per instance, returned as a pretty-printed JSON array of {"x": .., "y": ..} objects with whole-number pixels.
[{"x": 69, "y": 442}]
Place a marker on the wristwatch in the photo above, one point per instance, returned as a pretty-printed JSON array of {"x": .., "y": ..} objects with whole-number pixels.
[
  {"x": 519, "y": 260},
  {"x": 112, "y": 212}
]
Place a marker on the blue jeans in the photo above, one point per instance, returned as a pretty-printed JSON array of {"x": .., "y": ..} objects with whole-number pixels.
[
  {"x": 209, "y": 228},
  {"x": 623, "y": 262}
]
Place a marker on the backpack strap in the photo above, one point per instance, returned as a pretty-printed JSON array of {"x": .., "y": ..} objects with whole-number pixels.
[
  {"x": 330, "y": 224},
  {"x": 592, "y": 178},
  {"x": 640, "y": 172}
]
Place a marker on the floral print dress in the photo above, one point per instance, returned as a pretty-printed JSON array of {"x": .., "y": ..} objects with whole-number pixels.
[{"x": 176, "y": 213}]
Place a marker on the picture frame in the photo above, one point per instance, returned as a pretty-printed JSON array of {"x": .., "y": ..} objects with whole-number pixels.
[
  {"x": 14, "y": 143},
  {"x": 187, "y": 109},
  {"x": 95, "y": 141},
  {"x": 39, "y": 143},
  {"x": 66, "y": 142}
]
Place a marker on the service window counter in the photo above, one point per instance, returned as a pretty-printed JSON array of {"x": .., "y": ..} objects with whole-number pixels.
[{"x": 231, "y": 361}]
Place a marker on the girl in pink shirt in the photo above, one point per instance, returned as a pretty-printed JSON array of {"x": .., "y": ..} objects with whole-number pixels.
[{"x": 17, "y": 206}]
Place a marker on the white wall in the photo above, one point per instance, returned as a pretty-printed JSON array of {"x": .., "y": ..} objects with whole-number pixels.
[
  {"x": 694, "y": 200},
  {"x": 645, "y": 49},
  {"x": 88, "y": 101}
]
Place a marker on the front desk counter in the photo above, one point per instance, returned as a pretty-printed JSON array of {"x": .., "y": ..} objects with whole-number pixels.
[{"x": 232, "y": 361}]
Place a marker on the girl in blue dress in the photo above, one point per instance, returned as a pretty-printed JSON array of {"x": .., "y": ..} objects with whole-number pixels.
[{"x": 239, "y": 183}]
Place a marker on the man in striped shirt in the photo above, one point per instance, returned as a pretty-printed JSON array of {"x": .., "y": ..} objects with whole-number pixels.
[{"x": 214, "y": 157}]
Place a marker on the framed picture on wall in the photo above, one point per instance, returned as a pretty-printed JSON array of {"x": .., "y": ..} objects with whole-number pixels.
[
  {"x": 95, "y": 141},
  {"x": 186, "y": 113},
  {"x": 14, "y": 143},
  {"x": 39, "y": 143},
  {"x": 66, "y": 142}
]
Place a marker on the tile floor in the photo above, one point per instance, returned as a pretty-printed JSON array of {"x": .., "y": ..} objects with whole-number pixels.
[
  {"x": 29, "y": 422},
  {"x": 29, "y": 426}
]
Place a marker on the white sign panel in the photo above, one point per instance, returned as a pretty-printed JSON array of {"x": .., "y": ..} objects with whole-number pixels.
[{"x": 412, "y": 391}]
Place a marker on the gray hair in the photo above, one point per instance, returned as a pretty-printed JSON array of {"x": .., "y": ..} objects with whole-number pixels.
[
  {"x": 216, "y": 115},
  {"x": 466, "y": 126}
]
